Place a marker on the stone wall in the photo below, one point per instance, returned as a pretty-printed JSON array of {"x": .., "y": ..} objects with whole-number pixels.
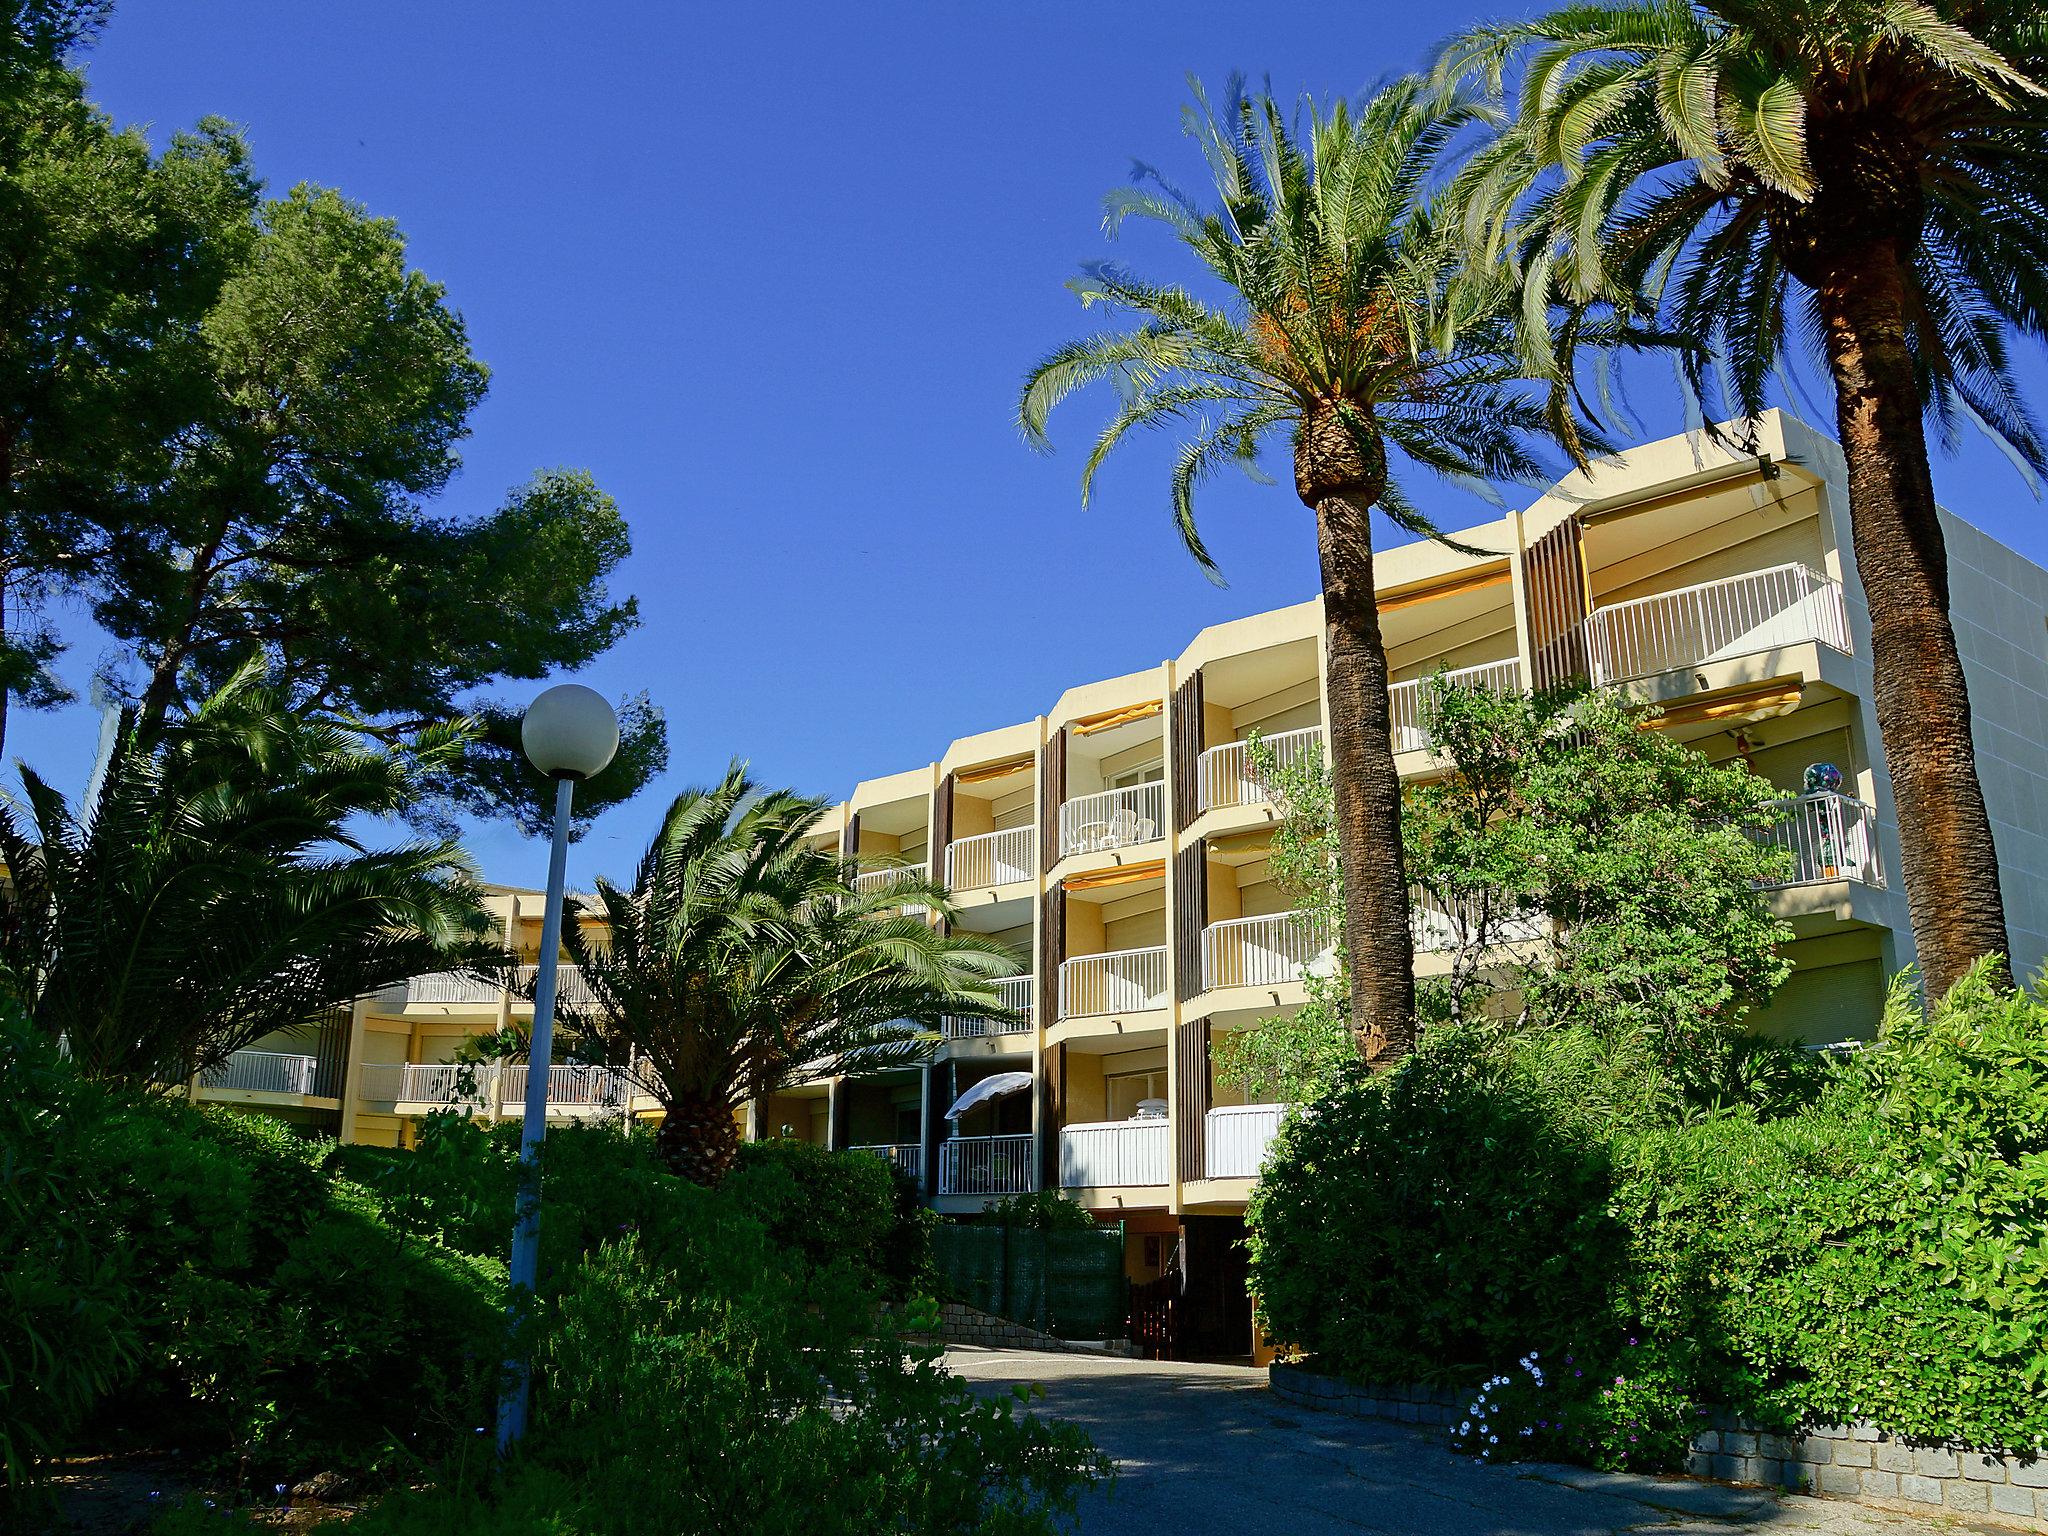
[
  {"x": 965, "y": 1325},
  {"x": 1853, "y": 1461}
]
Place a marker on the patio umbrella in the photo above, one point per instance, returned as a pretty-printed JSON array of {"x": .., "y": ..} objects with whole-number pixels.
[{"x": 991, "y": 1087}]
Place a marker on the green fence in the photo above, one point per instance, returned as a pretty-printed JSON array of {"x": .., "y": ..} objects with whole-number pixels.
[{"x": 1068, "y": 1284}]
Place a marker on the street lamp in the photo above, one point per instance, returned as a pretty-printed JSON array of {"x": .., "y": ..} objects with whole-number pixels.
[{"x": 569, "y": 733}]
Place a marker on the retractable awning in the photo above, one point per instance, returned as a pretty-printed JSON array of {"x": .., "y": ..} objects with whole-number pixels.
[{"x": 991, "y": 1087}]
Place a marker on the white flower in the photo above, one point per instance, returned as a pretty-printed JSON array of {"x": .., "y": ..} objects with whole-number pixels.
[
  {"x": 1465, "y": 1428},
  {"x": 1493, "y": 1439}
]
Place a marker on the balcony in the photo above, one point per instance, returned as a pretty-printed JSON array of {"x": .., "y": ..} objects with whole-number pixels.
[
  {"x": 269, "y": 1072},
  {"x": 906, "y": 1156},
  {"x": 1116, "y": 1153},
  {"x": 1015, "y": 992},
  {"x": 461, "y": 989},
  {"x": 992, "y": 858},
  {"x": 1830, "y": 837},
  {"x": 883, "y": 879},
  {"x": 1264, "y": 951},
  {"x": 1434, "y": 925},
  {"x": 985, "y": 1165},
  {"x": 1116, "y": 818},
  {"x": 1224, "y": 775},
  {"x": 1236, "y": 1138},
  {"x": 1716, "y": 621},
  {"x": 1123, "y": 981},
  {"x": 1404, "y": 700},
  {"x": 496, "y": 1088}
]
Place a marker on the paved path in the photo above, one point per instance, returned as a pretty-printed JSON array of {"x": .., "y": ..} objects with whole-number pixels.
[{"x": 1205, "y": 1448}]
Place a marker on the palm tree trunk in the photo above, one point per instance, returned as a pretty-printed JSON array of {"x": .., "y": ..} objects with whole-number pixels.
[
  {"x": 1923, "y": 703},
  {"x": 1366, "y": 786},
  {"x": 698, "y": 1138}
]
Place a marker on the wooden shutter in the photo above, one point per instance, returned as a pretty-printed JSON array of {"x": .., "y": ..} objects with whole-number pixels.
[
  {"x": 1187, "y": 751},
  {"x": 1190, "y": 916},
  {"x": 1053, "y": 1080},
  {"x": 1554, "y": 577},
  {"x": 1052, "y": 781},
  {"x": 849, "y": 840},
  {"x": 942, "y": 826},
  {"x": 1191, "y": 1079},
  {"x": 1052, "y": 949}
]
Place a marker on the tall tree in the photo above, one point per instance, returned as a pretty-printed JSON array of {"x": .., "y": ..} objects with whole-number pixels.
[
  {"x": 213, "y": 887},
  {"x": 743, "y": 959},
  {"x": 1869, "y": 169},
  {"x": 331, "y": 387},
  {"x": 108, "y": 257},
  {"x": 1346, "y": 322}
]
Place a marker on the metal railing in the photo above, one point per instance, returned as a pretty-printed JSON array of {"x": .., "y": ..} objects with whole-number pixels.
[
  {"x": 457, "y": 987},
  {"x": 1404, "y": 700},
  {"x": 1224, "y": 775},
  {"x": 252, "y": 1071},
  {"x": 1784, "y": 605},
  {"x": 1116, "y": 818},
  {"x": 1116, "y": 1152},
  {"x": 495, "y": 1086},
  {"x": 985, "y": 1165},
  {"x": 884, "y": 879},
  {"x": 1435, "y": 925},
  {"x": 576, "y": 1086},
  {"x": 906, "y": 1155},
  {"x": 1123, "y": 981},
  {"x": 1264, "y": 951},
  {"x": 1016, "y": 993},
  {"x": 992, "y": 858},
  {"x": 1236, "y": 1137},
  {"x": 1831, "y": 837}
]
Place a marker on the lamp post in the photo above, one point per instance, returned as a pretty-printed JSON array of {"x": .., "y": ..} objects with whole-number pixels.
[{"x": 569, "y": 733}]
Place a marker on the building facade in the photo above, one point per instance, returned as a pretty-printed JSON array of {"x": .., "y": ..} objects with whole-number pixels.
[{"x": 1119, "y": 842}]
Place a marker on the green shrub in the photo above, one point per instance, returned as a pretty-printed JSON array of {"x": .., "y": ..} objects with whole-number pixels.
[
  {"x": 1044, "y": 1210},
  {"x": 66, "y": 1333},
  {"x": 1876, "y": 1247},
  {"x": 838, "y": 1207}
]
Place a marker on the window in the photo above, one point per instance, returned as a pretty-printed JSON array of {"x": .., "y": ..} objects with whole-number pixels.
[
  {"x": 1155, "y": 774},
  {"x": 1134, "y": 1095}
]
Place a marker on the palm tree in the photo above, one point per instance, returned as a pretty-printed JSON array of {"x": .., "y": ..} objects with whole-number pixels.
[
  {"x": 744, "y": 958},
  {"x": 1346, "y": 322},
  {"x": 214, "y": 887},
  {"x": 1871, "y": 169}
]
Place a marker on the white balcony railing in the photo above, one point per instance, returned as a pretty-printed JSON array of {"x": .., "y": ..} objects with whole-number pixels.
[
  {"x": 1015, "y": 992},
  {"x": 1264, "y": 951},
  {"x": 1116, "y": 818},
  {"x": 267, "y": 1072},
  {"x": 991, "y": 858},
  {"x": 1237, "y": 1136},
  {"x": 906, "y": 1155},
  {"x": 1124, "y": 981},
  {"x": 1404, "y": 700},
  {"x": 883, "y": 879},
  {"x": 1115, "y": 1153},
  {"x": 1785, "y": 605},
  {"x": 1831, "y": 837},
  {"x": 463, "y": 990},
  {"x": 1224, "y": 775},
  {"x": 985, "y": 1165},
  {"x": 1435, "y": 925},
  {"x": 494, "y": 1086},
  {"x": 570, "y": 1088}
]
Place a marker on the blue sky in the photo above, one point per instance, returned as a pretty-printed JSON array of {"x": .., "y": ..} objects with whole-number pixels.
[{"x": 773, "y": 274}]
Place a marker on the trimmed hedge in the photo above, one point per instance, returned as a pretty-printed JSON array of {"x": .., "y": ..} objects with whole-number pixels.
[{"x": 1879, "y": 1252}]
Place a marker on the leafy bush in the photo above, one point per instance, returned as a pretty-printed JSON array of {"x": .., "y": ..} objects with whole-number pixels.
[
  {"x": 1044, "y": 1210},
  {"x": 839, "y": 1205},
  {"x": 1874, "y": 1245},
  {"x": 66, "y": 1334}
]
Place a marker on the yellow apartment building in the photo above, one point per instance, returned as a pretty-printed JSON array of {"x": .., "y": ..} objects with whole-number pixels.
[{"x": 1119, "y": 844}]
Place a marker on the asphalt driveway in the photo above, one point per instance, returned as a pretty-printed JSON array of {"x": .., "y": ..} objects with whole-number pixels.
[{"x": 1205, "y": 1448}]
